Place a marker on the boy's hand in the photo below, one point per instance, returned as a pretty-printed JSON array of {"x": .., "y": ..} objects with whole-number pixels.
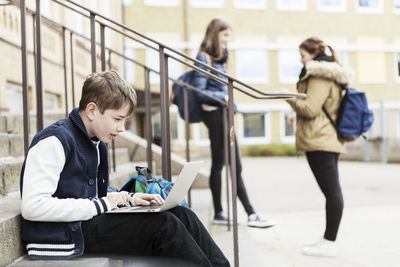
[
  {"x": 119, "y": 199},
  {"x": 141, "y": 199}
]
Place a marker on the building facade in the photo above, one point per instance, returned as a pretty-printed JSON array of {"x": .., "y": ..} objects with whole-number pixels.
[
  {"x": 77, "y": 55},
  {"x": 264, "y": 54}
]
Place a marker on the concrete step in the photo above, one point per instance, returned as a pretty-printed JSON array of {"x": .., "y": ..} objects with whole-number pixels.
[
  {"x": 10, "y": 169},
  {"x": 122, "y": 156},
  {"x": 10, "y": 239},
  {"x": 12, "y": 145},
  {"x": 14, "y": 123},
  {"x": 137, "y": 151}
]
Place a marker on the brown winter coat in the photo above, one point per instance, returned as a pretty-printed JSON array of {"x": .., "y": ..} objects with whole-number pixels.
[{"x": 314, "y": 132}]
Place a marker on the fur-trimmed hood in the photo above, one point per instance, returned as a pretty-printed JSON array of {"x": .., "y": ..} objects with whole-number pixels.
[{"x": 329, "y": 70}]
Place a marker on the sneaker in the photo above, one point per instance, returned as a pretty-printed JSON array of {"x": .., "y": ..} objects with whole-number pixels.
[
  {"x": 256, "y": 220},
  {"x": 322, "y": 248},
  {"x": 220, "y": 218}
]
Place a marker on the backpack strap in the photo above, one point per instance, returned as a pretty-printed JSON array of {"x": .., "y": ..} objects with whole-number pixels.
[
  {"x": 209, "y": 62},
  {"x": 329, "y": 117},
  {"x": 326, "y": 112}
]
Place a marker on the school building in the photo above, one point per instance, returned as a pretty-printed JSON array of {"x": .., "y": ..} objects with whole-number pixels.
[{"x": 264, "y": 54}]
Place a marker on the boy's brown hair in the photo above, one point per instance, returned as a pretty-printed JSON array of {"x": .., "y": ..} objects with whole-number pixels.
[{"x": 108, "y": 91}]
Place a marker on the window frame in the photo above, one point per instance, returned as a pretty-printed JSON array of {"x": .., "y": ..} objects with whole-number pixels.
[
  {"x": 207, "y": 4},
  {"x": 286, "y": 139},
  {"x": 262, "y": 79},
  {"x": 243, "y": 4},
  {"x": 339, "y": 9},
  {"x": 369, "y": 10},
  {"x": 285, "y": 7},
  {"x": 162, "y": 3},
  {"x": 397, "y": 66},
  {"x": 254, "y": 140}
]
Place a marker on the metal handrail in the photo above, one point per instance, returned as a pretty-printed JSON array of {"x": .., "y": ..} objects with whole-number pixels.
[{"x": 164, "y": 55}]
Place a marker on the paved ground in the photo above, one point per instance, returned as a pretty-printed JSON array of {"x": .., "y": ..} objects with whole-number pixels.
[{"x": 284, "y": 189}]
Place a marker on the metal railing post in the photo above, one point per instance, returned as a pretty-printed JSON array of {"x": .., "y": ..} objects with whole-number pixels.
[
  {"x": 24, "y": 77},
  {"x": 233, "y": 170},
  {"x": 226, "y": 160},
  {"x": 149, "y": 130},
  {"x": 93, "y": 40},
  {"x": 187, "y": 134},
  {"x": 65, "y": 72},
  {"x": 39, "y": 85},
  {"x": 164, "y": 109},
  {"x": 71, "y": 43}
]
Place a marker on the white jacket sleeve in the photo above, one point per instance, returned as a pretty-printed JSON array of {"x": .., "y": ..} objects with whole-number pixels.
[{"x": 43, "y": 166}]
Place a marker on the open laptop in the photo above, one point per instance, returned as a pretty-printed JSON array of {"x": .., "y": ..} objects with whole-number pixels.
[{"x": 175, "y": 196}]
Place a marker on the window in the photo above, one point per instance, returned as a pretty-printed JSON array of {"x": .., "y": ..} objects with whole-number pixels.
[
  {"x": 51, "y": 101},
  {"x": 253, "y": 128},
  {"x": 369, "y": 6},
  {"x": 289, "y": 66},
  {"x": 251, "y": 4},
  {"x": 292, "y": 5},
  {"x": 251, "y": 65},
  {"x": 129, "y": 66},
  {"x": 14, "y": 98},
  {"x": 397, "y": 66},
  {"x": 287, "y": 130},
  {"x": 207, "y": 3},
  {"x": 396, "y": 6},
  {"x": 162, "y": 2},
  {"x": 200, "y": 134},
  {"x": 331, "y": 5},
  {"x": 153, "y": 61}
]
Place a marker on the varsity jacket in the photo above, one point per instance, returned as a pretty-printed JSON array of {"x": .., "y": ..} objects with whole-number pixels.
[{"x": 63, "y": 182}]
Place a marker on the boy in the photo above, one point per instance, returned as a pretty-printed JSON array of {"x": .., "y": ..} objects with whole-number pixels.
[{"x": 64, "y": 182}]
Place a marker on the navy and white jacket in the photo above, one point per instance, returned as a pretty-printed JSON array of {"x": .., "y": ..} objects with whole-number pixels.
[{"x": 64, "y": 181}]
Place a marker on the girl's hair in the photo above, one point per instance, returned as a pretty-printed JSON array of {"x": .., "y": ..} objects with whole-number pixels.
[
  {"x": 210, "y": 43},
  {"x": 315, "y": 46}
]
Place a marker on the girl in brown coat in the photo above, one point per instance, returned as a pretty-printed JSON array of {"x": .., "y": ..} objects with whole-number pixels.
[{"x": 321, "y": 79}]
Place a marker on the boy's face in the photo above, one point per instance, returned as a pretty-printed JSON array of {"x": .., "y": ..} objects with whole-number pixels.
[{"x": 108, "y": 125}]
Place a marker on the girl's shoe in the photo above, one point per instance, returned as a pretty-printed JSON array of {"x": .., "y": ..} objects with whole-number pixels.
[
  {"x": 256, "y": 220},
  {"x": 322, "y": 248},
  {"x": 220, "y": 218}
]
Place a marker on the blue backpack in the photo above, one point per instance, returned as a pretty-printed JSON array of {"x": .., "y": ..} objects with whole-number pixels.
[
  {"x": 194, "y": 105},
  {"x": 354, "y": 117}
]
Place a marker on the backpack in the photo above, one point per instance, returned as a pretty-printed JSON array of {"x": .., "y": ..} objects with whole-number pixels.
[
  {"x": 354, "y": 117},
  {"x": 144, "y": 182},
  {"x": 194, "y": 105}
]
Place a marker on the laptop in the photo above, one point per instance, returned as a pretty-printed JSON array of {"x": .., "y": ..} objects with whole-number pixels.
[{"x": 175, "y": 196}]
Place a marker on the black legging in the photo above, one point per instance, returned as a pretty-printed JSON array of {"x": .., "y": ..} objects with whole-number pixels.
[
  {"x": 213, "y": 121},
  {"x": 324, "y": 166}
]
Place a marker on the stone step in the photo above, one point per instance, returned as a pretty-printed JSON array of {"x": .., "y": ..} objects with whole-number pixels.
[
  {"x": 12, "y": 145},
  {"x": 14, "y": 123},
  {"x": 10, "y": 239},
  {"x": 122, "y": 156},
  {"x": 10, "y": 169}
]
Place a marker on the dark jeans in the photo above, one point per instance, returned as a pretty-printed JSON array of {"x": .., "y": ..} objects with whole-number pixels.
[
  {"x": 324, "y": 166},
  {"x": 176, "y": 233},
  {"x": 213, "y": 121}
]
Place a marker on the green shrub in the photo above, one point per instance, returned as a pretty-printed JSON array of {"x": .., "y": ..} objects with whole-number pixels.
[{"x": 269, "y": 150}]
